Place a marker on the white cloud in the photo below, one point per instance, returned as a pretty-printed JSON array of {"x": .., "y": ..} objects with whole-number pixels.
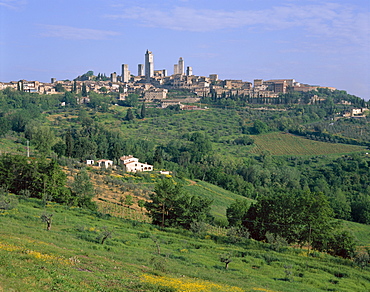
[
  {"x": 12, "y": 4},
  {"x": 74, "y": 33},
  {"x": 330, "y": 20}
]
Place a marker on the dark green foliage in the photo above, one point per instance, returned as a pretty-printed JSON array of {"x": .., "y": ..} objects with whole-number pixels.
[
  {"x": 59, "y": 88},
  {"x": 39, "y": 177},
  {"x": 103, "y": 89},
  {"x": 59, "y": 148},
  {"x": 70, "y": 99},
  {"x": 5, "y": 125},
  {"x": 342, "y": 244},
  {"x": 166, "y": 193},
  {"x": 129, "y": 115},
  {"x": 170, "y": 206},
  {"x": 244, "y": 140},
  {"x": 361, "y": 209},
  {"x": 98, "y": 102},
  {"x": 19, "y": 121},
  {"x": 259, "y": 127},
  {"x": 340, "y": 205},
  {"x": 84, "y": 90},
  {"x": 131, "y": 100},
  {"x": 236, "y": 212},
  {"x": 69, "y": 147},
  {"x": 191, "y": 208},
  {"x": 200, "y": 147},
  {"x": 301, "y": 217},
  {"x": 143, "y": 111},
  {"x": 83, "y": 190},
  {"x": 42, "y": 137}
]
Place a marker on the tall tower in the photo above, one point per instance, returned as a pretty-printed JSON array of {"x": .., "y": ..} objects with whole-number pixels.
[
  {"x": 140, "y": 70},
  {"x": 149, "y": 65},
  {"x": 189, "y": 71},
  {"x": 180, "y": 68},
  {"x": 113, "y": 77},
  {"x": 175, "y": 69},
  {"x": 125, "y": 73}
]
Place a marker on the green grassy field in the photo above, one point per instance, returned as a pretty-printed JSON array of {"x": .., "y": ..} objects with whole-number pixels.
[
  {"x": 279, "y": 143},
  {"x": 361, "y": 233},
  {"x": 70, "y": 257}
]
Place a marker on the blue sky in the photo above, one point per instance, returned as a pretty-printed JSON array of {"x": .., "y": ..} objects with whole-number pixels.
[{"x": 318, "y": 42}]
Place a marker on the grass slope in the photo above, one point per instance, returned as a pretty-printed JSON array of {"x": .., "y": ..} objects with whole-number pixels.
[
  {"x": 279, "y": 143},
  {"x": 139, "y": 186},
  {"x": 69, "y": 257},
  {"x": 221, "y": 198},
  {"x": 361, "y": 232}
]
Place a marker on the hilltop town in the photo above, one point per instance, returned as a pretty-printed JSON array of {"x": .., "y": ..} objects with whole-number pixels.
[{"x": 154, "y": 85}]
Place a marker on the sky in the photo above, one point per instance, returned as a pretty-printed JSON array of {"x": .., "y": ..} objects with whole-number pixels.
[{"x": 316, "y": 42}]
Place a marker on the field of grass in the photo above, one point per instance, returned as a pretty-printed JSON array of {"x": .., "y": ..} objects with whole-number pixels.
[
  {"x": 279, "y": 143},
  {"x": 70, "y": 257},
  {"x": 360, "y": 232}
]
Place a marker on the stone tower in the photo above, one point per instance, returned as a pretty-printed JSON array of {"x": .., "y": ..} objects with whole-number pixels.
[{"x": 149, "y": 65}]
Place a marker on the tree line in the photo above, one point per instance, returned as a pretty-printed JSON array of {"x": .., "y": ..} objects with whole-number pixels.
[{"x": 44, "y": 179}]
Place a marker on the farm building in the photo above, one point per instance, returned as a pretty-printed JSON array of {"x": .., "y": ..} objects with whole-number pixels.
[{"x": 132, "y": 164}]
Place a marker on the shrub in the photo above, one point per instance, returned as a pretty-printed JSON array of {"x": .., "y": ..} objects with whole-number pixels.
[
  {"x": 362, "y": 259},
  {"x": 276, "y": 242},
  {"x": 7, "y": 201}
]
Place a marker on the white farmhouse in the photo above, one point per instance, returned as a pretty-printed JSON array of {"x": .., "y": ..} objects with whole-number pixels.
[{"x": 132, "y": 164}]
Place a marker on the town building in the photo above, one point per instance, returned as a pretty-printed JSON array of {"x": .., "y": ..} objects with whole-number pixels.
[{"x": 155, "y": 94}]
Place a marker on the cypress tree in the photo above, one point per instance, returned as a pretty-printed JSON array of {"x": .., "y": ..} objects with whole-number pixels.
[
  {"x": 143, "y": 111},
  {"x": 129, "y": 115},
  {"x": 84, "y": 90}
]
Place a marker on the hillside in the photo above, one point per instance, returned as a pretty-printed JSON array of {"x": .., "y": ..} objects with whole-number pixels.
[
  {"x": 140, "y": 257},
  {"x": 302, "y": 185},
  {"x": 113, "y": 188}
]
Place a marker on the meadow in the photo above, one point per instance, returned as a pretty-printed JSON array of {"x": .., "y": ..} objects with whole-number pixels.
[{"x": 141, "y": 257}]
